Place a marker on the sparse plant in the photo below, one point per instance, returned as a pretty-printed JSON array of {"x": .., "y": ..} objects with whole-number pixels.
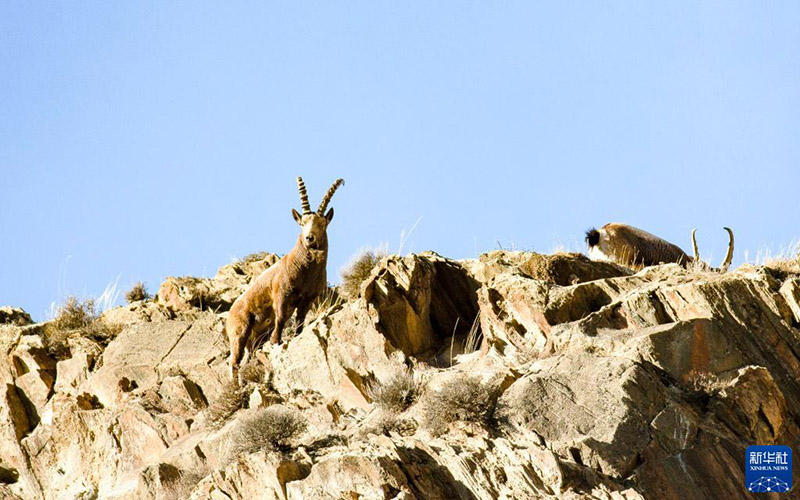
[
  {"x": 329, "y": 299},
  {"x": 253, "y": 372},
  {"x": 274, "y": 428},
  {"x": 785, "y": 260},
  {"x": 74, "y": 314},
  {"x": 358, "y": 270},
  {"x": 397, "y": 393},
  {"x": 137, "y": 293},
  {"x": 465, "y": 399},
  {"x": 181, "y": 487},
  {"x": 230, "y": 400},
  {"x": 76, "y": 318},
  {"x": 474, "y": 338}
]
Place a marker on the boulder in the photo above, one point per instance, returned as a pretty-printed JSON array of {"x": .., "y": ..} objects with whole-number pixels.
[{"x": 14, "y": 316}]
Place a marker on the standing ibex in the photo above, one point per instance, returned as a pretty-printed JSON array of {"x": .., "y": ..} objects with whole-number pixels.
[
  {"x": 635, "y": 248},
  {"x": 290, "y": 284}
]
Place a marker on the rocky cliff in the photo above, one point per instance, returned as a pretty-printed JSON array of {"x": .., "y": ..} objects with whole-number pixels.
[{"x": 514, "y": 375}]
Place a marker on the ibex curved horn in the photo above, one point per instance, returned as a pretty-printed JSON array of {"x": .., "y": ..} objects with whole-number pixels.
[
  {"x": 728, "y": 256},
  {"x": 301, "y": 186},
  {"x": 327, "y": 198},
  {"x": 694, "y": 245}
]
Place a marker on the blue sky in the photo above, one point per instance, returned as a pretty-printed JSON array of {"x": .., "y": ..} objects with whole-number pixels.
[{"x": 145, "y": 139}]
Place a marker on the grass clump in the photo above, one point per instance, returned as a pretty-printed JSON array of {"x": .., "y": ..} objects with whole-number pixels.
[
  {"x": 76, "y": 318},
  {"x": 273, "y": 428},
  {"x": 465, "y": 399},
  {"x": 253, "y": 372},
  {"x": 137, "y": 293},
  {"x": 396, "y": 394},
  {"x": 74, "y": 314},
  {"x": 326, "y": 301},
  {"x": 359, "y": 270},
  {"x": 230, "y": 400}
]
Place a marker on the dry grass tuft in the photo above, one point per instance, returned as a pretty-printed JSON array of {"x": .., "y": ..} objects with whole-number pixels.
[
  {"x": 76, "y": 318},
  {"x": 474, "y": 338},
  {"x": 273, "y": 428},
  {"x": 137, "y": 293},
  {"x": 329, "y": 300},
  {"x": 253, "y": 372},
  {"x": 785, "y": 260},
  {"x": 229, "y": 401},
  {"x": 466, "y": 399},
  {"x": 74, "y": 314},
  {"x": 359, "y": 270},
  {"x": 396, "y": 394}
]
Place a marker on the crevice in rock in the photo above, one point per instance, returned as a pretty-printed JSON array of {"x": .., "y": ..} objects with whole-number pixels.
[
  {"x": 8, "y": 475},
  {"x": 575, "y": 453}
]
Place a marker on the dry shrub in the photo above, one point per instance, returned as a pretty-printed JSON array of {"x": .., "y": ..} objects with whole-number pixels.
[
  {"x": 76, "y": 319},
  {"x": 328, "y": 300},
  {"x": 464, "y": 399},
  {"x": 396, "y": 394},
  {"x": 359, "y": 270},
  {"x": 252, "y": 372},
  {"x": 138, "y": 292},
  {"x": 230, "y": 400},
  {"x": 273, "y": 428},
  {"x": 181, "y": 487},
  {"x": 74, "y": 314}
]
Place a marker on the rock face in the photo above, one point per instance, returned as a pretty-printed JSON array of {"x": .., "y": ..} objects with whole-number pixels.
[{"x": 574, "y": 380}]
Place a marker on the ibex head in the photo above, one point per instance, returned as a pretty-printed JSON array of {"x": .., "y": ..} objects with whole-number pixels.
[{"x": 315, "y": 224}]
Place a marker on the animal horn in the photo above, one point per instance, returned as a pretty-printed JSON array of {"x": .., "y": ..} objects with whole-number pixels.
[
  {"x": 301, "y": 186},
  {"x": 327, "y": 198},
  {"x": 728, "y": 256},
  {"x": 694, "y": 245}
]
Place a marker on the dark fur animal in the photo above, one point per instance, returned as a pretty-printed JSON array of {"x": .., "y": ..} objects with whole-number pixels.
[
  {"x": 292, "y": 283},
  {"x": 635, "y": 248}
]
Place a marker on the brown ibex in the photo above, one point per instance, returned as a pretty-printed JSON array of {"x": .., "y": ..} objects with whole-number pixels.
[
  {"x": 635, "y": 248},
  {"x": 290, "y": 284}
]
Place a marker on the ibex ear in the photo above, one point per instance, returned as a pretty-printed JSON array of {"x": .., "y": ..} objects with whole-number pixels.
[
  {"x": 297, "y": 216},
  {"x": 329, "y": 215}
]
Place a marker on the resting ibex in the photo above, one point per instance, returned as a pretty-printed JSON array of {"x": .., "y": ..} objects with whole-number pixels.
[
  {"x": 290, "y": 284},
  {"x": 635, "y": 248}
]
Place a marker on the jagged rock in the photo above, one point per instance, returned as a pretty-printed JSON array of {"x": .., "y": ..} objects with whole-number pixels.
[
  {"x": 562, "y": 269},
  {"x": 596, "y": 410},
  {"x": 14, "y": 316},
  {"x": 138, "y": 312},
  {"x": 420, "y": 300},
  {"x": 217, "y": 293},
  {"x": 264, "y": 472},
  {"x": 609, "y": 385}
]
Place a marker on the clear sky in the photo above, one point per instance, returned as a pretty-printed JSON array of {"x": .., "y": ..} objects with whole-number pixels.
[{"x": 143, "y": 139}]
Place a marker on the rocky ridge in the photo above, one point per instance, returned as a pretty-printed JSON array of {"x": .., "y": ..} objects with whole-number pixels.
[{"x": 521, "y": 376}]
